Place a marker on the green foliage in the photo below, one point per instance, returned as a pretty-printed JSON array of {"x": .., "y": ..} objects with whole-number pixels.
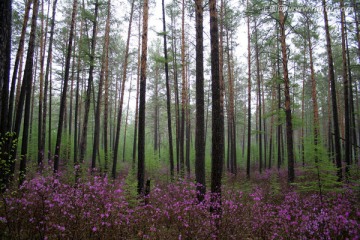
[
  {"x": 8, "y": 145},
  {"x": 130, "y": 189},
  {"x": 319, "y": 173}
]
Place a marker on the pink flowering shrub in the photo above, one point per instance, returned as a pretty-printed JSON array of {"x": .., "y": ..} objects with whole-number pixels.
[{"x": 49, "y": 208}]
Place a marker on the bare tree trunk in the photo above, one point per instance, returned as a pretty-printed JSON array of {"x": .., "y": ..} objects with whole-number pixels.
[
  {"x": 25, "y": 95},
  {"x": 333, "y": 94},
  {"x": 63, "y": 96},
  {"x": 200, "y": 134},
  {"x": 124, "y": 76},
  {"x": 217, "y": 112},
  {"x": 100, "y": 90},
  {"x": 168, "y": 95},
  {"x": 248, "y": 157},
  {"x": 89, "y": 90},
  {"x": 289, "y": 128},
  {"x": 18, "y": 61},
  {"x": 259, "y": 97},
  {"x": 347, "y": 137},
  {"x": 183, "y": 93},
  {"x": 141, "y": 143},
  {"x": 137, "y": 97}
]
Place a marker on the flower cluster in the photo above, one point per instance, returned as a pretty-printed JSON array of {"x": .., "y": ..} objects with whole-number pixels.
[{"x": 50, "y": 208}]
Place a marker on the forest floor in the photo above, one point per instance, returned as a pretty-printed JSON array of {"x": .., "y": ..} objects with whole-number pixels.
[{"x": 265, "y": 207}]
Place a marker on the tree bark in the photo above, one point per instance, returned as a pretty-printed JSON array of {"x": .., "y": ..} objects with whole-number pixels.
[
  {"x": 248, "y": 156},
  {"x": 347, "y": 143},
  {"x": 83, "y": 141},
  {"x": 289, "y": 128},
  {"x": 141, "y": 142},
  {"x": 65, "y": 85},
  {"x": 217, "y": 112},
  {"x": 168, "y": 95},
  {"x": 100, "y": 91},
  {"x": 124, "y": 76},
  {"x": 199, "y": 130},
  {"x": 25, "y": 95},
  {"x": 333, "y": 94}
]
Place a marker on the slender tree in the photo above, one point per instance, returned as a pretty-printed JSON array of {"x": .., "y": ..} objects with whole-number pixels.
[
  {"x": 64, "y": 90},
  {"x": 5, "y": 66},
  {"x": 183, "y": 93},
  {"x": 333, "y": 93},
  {"x": 141, "y": 142},
  {"x": 289, "y": 128},
  {"x": 248, "y": 157},
  {"x": 41, "y": 147},
  {"x": 168, "y": 95},
  {"x": 90, "y": 83},
  {"x": 5, "y": 53},
  {"x": 217, "y": 111},
  {"x": 200, "y": 133},
  {"x": 100, "y": 90},
  {"x": 124, "y": 76},
  {"x": 25, "y": 95}
]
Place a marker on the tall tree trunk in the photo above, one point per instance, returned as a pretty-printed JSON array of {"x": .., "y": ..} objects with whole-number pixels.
[
  {"x": 141, "y": 143},
  {"x": 289, "y": 128},
  {"x": 257, "y": 58},
  {"x": 231, "y": 115},
  {"x": 333, "y": 94},
  {"x": 65, "y": 85},
  {"x": 248, "y": 156},
  {"x": 199, "y": 129},
  {"x": 354, "y": 151},
  {"x": 42, "y": 89},
  {"x": 279, "y": 128},
  {"x": 168, "y": 95},
  {"x": 100, "y": 90},
  {"x": 76, "y": 110},
  {"x": 17, "y": 62},
  {"x": 5, "y": 111},
  {"x": 89, "y": 90},
  {"x": 124, "y": 76},
  {"x": 137, "y": 96},
  {"x": 217, "y": 112},
  {"x": 176, "y": 90},
  {"x": 25, "y": 95},
  {"x": 106, "y": 105},
  {"x": 183, "y": 93},
  {"x": 5, "y": 53},
  {"x": 156, "y": 110},
  {"x": 345, "y": 66}
]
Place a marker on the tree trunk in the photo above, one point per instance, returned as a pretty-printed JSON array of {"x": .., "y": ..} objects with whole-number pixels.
[
  {"x": 137, "y": 96},
  {"x": 347, "y": 143},
  {"x": 100, "y": 91},
  {"x": 168, "y": 95},
  {"x": 289, "y": 128},
  {"x": 248, "y": 156},
  {"x": 141, "y": 143},
  {"x": 183, "y": 94},
  {"x": 333, "y": 94},
  {"x": 217, "y": 112},
  {"x": 65, "y": 85},
  {"x": 76, "y": 110},
  {"x": 124, "y": 76},
  {"x": 83, "y": 140},
  {"x": 25, "y": 95},
  {"x": 5, "y": 63},
  {"x": 259, "y": 97},
  {"x": 199, "y": 129}
]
